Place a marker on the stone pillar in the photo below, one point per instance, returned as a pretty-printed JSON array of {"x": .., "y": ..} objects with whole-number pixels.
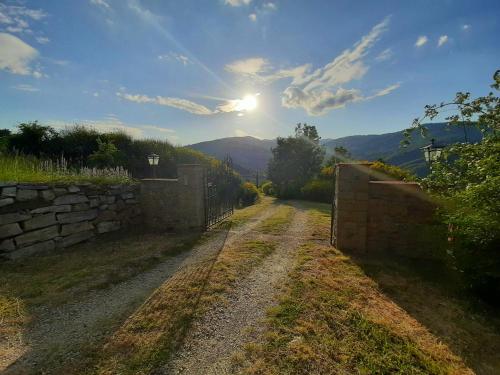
[
  {"x": 191, "y": 180},
  {"x": 351, "y": 202}
]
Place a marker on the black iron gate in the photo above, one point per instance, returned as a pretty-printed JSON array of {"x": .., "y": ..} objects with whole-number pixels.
[{"x": 221, "y": 186}]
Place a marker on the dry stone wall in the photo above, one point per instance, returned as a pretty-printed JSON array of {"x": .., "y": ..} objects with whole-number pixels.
[{"x": 38, "y": 218}]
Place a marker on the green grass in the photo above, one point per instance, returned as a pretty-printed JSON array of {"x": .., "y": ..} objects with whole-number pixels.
[
  {"x": 331, "y": 319},
  {"x": 28, "y": 169},
  {"x": 277, "y": 222}
]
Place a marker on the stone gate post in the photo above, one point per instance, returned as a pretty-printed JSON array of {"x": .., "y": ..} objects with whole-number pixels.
[{"x": 191, "y": 185}]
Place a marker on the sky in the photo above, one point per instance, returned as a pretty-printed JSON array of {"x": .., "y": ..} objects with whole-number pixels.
[{"x": 196, "y": 70}]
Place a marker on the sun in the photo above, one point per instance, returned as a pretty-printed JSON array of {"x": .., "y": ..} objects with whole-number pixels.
[{"x": 248, "y": 103}]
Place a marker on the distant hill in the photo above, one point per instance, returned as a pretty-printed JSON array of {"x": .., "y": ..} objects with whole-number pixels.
[{"x": 251, "y": 154}]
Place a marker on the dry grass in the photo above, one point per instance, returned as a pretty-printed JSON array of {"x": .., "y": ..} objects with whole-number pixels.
[
  {"x": 242, "y": 215},
  {"x": 333, "y": 319},
  {"x": 278, "y": 222},
  {"x": 151, "y": 335},
  {"x": 59, "y": 277}
]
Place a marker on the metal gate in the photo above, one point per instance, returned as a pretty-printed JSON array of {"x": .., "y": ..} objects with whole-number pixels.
[{"x": 221, "y": 186}]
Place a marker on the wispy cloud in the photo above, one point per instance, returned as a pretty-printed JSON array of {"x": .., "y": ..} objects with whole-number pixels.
[
  {"x": 237, "y": 3},
  {"x": 252, "y": 17},
  {"x": 172, "y": 56},
  {"x": 16, "y": 56},
  {"x": 465, "y": 27},
  {"x": 42, "y": 39},
  {"x": 421, "y": 41},
  {"x": 269, "y": 6},
  {"x": 182, "y": 104},
  {"x": 25, "y": 87},
  {"x": 100, "y": 3},
  {"x": 17, "y": 18},
  {"x": 320, "y": 90},
  {"x": 385, "y": 55},
  {"x": 442, "y": 40}
]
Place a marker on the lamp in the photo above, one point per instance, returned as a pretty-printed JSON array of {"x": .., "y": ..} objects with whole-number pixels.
[
  {"x": 432, "y": 152},
  {"x": 153, "y": 160}
]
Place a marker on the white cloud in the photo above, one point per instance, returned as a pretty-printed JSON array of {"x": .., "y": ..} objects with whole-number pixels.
[
  {"x": 385, "y": 55},
  {"x": 384, "y": 92},
  {"x": 100, "y": 3},
  {"x": 42, "y": 39},
  {"x": 237, "y": 3},
  {"x": 17, "y": 18},
  {"x": 172, "y": 56},
  {"x": 421, "y": 41},
  {"x": 321, "y": 90},
  {"x": 442, "y": 40},
  {"x": 253, "y": 17},
  {"x": 159, "y": 129},
  {"x": 25, "y": 87},
  {"x": 16, "y": 56},
  {"x": 465, "y": 27},
  {"x": 270, "y": 6},
  {"x": 183, "y": 104}
]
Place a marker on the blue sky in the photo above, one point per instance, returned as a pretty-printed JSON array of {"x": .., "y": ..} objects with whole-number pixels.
[{"x": 192, "y": 70}]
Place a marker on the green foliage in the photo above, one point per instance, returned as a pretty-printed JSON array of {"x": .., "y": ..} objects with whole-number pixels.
[
  {"x": 295, "y": 161},
  {"x": 397, "y": 173},
  {"x": 467, "y": 180},
  {"x": 248, "y": 194},
  {"x": 105, "y": 156},
  {"x": 268, "y": 188},
  {"x": 84, "y": 146},
  {"x": 319, "y": 190}
]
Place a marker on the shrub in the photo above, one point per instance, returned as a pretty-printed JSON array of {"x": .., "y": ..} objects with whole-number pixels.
[
  {"x": 392, "y": 171},
  {"x": 319, "y": 190},
  {"x": 268, "y": 188},
  {"x": 248, "y": 194}
]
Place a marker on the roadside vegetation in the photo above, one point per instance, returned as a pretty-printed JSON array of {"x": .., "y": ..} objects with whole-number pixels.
[
  {"x": 150, "y": 336},
  {"x": 333, "y": 318}
]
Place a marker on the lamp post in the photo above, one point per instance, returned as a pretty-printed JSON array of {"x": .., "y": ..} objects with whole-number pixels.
[
  {"x": 153, "y": 160},
  {"x": 432, "y": 152}
]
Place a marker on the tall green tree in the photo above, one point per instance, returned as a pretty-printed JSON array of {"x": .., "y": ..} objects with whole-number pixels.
[{"x": 295, "y": 161}]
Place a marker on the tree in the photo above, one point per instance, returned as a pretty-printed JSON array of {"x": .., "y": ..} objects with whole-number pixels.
[
  {"x": 295, "y": 161},
  {"x": 33, "y": 139},
  {"x": 467, "y": 181},
  {"x": 105, "y": 156}
]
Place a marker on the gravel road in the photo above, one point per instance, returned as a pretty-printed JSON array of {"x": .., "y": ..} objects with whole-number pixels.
[{"x": 224, "y": 330}]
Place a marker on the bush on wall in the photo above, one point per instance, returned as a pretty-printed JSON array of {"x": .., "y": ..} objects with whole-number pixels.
[{"x": 318, "y": 190}]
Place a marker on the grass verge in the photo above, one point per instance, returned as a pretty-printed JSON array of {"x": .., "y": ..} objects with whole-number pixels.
[
  {"x": 332, "y": 319},
  {"x": 149, "y": 337},
  {"x": 243, "y": 215},
  {"x": 278, "y": 222}
]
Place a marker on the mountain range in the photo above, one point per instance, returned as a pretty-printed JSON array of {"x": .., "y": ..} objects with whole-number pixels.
[{"x": 250, "y": 155}]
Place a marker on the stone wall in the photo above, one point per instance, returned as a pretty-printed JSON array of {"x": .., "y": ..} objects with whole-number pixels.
[
  {"x": 36, "y": 218},
  {"x": 179, "y": 204},
  {"x": 379, "y": 215}
]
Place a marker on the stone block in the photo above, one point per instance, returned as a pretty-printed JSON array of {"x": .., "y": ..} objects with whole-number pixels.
[
  {"x": 32, "y": 187},
  {"x": 58, "y": 191},
  {"x": 94, "y": 202},
  {"x": 131, "y": 201},
  {"x": 75, "y": 238},
  {"x": 70, "y": 199},
  {"x": 9, "y": 192},
  {"x": 107, "y": 199},
  {"x": 73, "y": 189},
  {"x": 10, "y": 230},
  {"x": 108, "y": 226},
  {"x": 30, "y": 250},
  {"x": 6, "y": 201},
  {"x": 7, "y": 245},
  {"x": 120, "y": 205},
  {"x": 40, "y": 221},
  {"x": 105, "y": 216},
  {"x": 47, "y": 195},
  {"x": 44, "y": 210},
  {"x": 13, "y": 218},
  {"x": 83, "y": 226},
  {"x": 126, "y": 196},
  {"x": 80, "y": 207},
  {"x": 103, "y": 207},
  {"x": 75, "y": 217},
  {"x": 39, "y": 235},
  {"x": 24, "y": 195}
]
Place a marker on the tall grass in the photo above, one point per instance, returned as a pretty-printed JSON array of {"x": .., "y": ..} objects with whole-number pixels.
[{"x": 21, "y": 168}]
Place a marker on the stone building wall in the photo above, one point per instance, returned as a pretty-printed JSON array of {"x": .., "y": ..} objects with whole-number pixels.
[
  {"x": 36, "y": 218},
  {"x": 379, "y": 215}
]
